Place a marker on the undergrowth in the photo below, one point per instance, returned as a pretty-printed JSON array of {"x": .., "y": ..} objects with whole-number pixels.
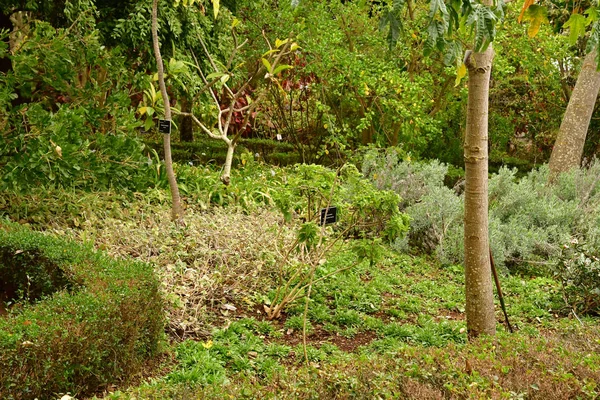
[{"x": 390, "y": 326}]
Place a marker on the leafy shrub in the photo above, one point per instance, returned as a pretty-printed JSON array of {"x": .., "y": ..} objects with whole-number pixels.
[
  {"x": 44, "y": 207},
  {"x": 578, "y": 270},
  {"x": 433, "y": 208},
  {"x": 102, "y": 322},
  {"x": 67, "y": 117},
  {"x": 529, "y": 219},
  {"x": 362, "y": 209}
]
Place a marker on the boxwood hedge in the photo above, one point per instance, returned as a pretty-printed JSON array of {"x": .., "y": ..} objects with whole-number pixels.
[{"x": 79, "y": 319}]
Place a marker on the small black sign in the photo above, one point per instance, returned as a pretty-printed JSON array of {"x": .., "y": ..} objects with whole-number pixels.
[
  {"x": 328, "y": 215},
  {"x": 164, "y": 126}
]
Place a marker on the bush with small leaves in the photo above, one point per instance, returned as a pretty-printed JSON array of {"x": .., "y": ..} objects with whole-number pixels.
[
  {"x": 529, "y": 219},
  {"x": 77, "y": 319},
  {"x": 578, "y": 270}
]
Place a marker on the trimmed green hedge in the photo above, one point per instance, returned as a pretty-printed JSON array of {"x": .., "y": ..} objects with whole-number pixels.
[
  {"x": 203, "y": 151},
  {"x": 82, "y": 320}
]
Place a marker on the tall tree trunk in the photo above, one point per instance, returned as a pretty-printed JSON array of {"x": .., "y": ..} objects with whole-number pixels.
[
  {"x": 186, "y": 125},
  {"x": 478, "y": 282},
  {"x": 177, "y": 209},
  {"x": 568, "y": 147}
]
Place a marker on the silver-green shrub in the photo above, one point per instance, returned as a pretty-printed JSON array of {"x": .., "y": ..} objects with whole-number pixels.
[{"x": 530, "y": 220}]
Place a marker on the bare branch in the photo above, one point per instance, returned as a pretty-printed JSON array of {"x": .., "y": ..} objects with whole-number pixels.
[{"x": 200, "y": 124}]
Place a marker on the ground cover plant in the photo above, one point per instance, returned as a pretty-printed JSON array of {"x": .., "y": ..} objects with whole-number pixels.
[{"x": 392, "y": 325}]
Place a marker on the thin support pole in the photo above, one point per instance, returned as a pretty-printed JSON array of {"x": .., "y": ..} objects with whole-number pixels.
[{"x": 499, "y": 289}]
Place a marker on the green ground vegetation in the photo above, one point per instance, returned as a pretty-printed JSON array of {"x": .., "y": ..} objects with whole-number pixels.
[
  {"x": 381, "y": 324},
  {"x": 259, "y": 299}
]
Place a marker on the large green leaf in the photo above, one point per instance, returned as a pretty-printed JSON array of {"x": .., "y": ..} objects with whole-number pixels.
[
  {"x": 435, "y": 36},
  {"x": 393, "y": 18},
  {"x": 436, "y": 6},
  {"x": 576, "y": 25},
  {"x": 483, "y": 20}
]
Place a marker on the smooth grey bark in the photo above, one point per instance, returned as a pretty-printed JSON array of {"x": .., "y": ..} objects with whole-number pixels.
[
  {"x": 568, "y": 147},
  {"x": 478, "y": 283},
  {"x": 177, "y": 209},
  {"x": 226, "y": 176}
]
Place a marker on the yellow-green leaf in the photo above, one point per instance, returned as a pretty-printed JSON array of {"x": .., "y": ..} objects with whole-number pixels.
[
  {"x": 461, "y": 72},
  {"x": 280, "y": 68},
  {"x": 142, "y": 110},
  {"x": 269, "y": 52},
  {"x": 576, "y": 25},
  {"x": 216, "y": 5},
  {"x": 267, "y": 65},
  {"x": 279, "y": 43},
  {"x": 235, "y": 22},
  {"x": 148, "y": 123},
  {"x": 294, "y": 46},
  {"x": 592, "y": 15},
  {"x": 215, "y": 75},
  {"x": 536, "y": 15}
]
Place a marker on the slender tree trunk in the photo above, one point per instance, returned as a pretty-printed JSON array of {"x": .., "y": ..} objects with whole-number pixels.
[
  {"x": 177, "y": 209},
  {"x": 186, "y": 125},
  {"x": 226, "y": 176},
  {"x": 568, "y": 147},
  {"x": 479, "y": 292}
]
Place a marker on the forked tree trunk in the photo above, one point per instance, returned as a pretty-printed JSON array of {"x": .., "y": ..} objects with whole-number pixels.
[
  {"x": 478, "y": 282},
  {"x": 177, "y": 209},
  {"x": 568, "y": 147}
]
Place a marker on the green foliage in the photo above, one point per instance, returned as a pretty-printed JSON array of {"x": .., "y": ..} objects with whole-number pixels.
[
  {"x": 340, "y": 100},
  {"x": 208, "y": 151},
  {"x": 446, "y": 21},
  {"x": 364, "y": 210},
  {"x": 372, "y": 327},
  {"x": 73, "y": 125},
  {"x": 529, "y": 220},
  {"x": 89, "y": 306},
  {"x": 392, "y": 17},
  {"x": 235, "y": 349},
  {"x": 578, "y": 270}
]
